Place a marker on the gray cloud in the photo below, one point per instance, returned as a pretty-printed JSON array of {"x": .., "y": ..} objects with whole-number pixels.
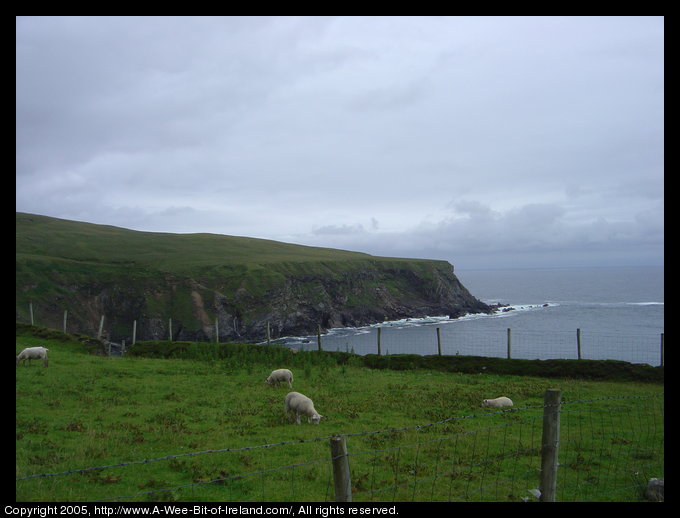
[
  {"x": 339, "y": 230},
  {"x": 472, "y": 139}
]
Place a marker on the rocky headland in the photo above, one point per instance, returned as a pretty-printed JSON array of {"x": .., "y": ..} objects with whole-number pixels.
[{"x": 206, "y": 285}]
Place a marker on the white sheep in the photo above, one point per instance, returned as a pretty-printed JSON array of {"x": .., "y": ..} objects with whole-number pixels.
[
  {"x": 33, "y": 353},
  {"x": 301, "y": 405},
  {"x": 499, "y": 402},
  {"x": 278, "y": 376}
]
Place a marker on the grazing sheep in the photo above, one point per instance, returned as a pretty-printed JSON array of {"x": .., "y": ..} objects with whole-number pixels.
[
  {"x": 33, "y": 353},
  {"x": 499, "y": 402},
  {"x": 301, "y": 404},
  {"x": 280, "y": 375}
]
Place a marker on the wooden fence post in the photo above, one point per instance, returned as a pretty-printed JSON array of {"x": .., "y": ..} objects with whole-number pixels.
[
  {"x": 217, "y": 331},
  {"x": 318, "y": 336},
  {"x": 341, "y": 476},
  {"x": 578, "y": 342},
  {"x": 30, "y": 310},
  {"x": 509, "y": 343},
  {"x": 170, "y": 329},
  {"x": 101, "y": 327},
  {"x": 134, "y": 332},
  {"x": 379, "y": 333},
  {"x": 550, "y": 444},
  {"x": 65, "y": 315},
  {"x": 439, "y": 342}
]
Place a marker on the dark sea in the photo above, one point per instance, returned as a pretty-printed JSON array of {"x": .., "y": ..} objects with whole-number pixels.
[{"x": 619, "y": 312}]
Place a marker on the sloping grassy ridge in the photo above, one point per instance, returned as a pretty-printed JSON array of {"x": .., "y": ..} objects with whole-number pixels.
[{"x": 198, "y": 279}]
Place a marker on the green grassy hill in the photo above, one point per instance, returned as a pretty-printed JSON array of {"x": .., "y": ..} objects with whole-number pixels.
[
  {"x": 197, "y": 279},
  {"x": 45, "y": 237}
]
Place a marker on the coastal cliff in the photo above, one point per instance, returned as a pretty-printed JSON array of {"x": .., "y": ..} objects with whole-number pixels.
[{"x": 205, "y": 283}]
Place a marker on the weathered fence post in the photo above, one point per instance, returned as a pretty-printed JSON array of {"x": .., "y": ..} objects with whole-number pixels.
[
  {"x": 217, "y": 331},
  {"x": 509, "y": 343},
  {"x": 170, "y": 329},
  {"x": 578, "y": 342},
  {"x": 30, "y": 310},
  {"x": 550, "y": 444},
  {"x": 269, "y": 334},
  {"x": 379, "y": 333},
  {"x": 318, "y": 336},
  {"x": 439, "y": 342},
  {"x": 341, "y": 477},
  {"x": 134, "y": 332},
  {"x": 101, "y": 327},
  {"x": 65, "y": 315}
]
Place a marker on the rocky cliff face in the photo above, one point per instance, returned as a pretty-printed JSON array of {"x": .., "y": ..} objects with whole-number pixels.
[
  {"x": 192, "y": 287},
  {"x": 362, "y": 296},
  {"x": 290, "y": 302}
]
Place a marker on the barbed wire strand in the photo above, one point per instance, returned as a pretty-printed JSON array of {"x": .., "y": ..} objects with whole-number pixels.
[
  {"x": 317, "y": 439},
  {"x": 412, "y": 483}
]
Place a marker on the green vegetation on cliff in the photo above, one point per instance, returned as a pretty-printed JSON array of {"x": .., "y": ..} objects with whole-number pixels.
[{"x": 198, "y": 279}]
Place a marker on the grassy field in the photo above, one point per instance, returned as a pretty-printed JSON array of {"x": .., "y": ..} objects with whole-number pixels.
[{"x": 208, "y": 418}]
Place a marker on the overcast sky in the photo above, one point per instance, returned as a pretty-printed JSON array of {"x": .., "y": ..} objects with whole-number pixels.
[{"x": 484, "y": 141}]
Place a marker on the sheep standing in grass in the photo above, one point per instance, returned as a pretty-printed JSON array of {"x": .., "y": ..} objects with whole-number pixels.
[
  {"x": 280, "y": 375},
  {"x": 499, "y": 402},
  {"x": 301, "y": 405},
  {"x": 33, "y": 353}
]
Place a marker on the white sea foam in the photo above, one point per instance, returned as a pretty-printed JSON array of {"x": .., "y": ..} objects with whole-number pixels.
[
  {"x": 506, "y": 311},
  {"x": 404, "y": 323},
  {"x": 618, "y": 304},
  {"x": 411, "y": 322}
]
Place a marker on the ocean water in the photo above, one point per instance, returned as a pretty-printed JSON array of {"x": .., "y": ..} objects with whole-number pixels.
[{"x": 619, "y": 311}]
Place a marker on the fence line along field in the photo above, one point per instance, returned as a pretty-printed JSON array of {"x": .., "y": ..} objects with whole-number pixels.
[
  {"x": 505, "y": 343},
  {"x": 91, "y": 427}
]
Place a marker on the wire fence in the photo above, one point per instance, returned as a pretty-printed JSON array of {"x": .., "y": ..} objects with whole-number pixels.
[
  {"x": 435, "y": 337},
  {"x": 500, "y": 343},
  {"x": 607, "y": 450}
]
